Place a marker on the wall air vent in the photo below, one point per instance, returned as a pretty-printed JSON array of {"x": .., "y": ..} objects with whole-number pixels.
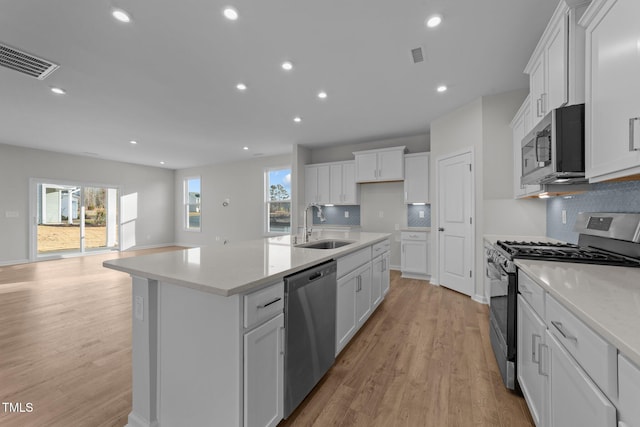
[
  {"x": 25, "y": 63},
  {"x": 417, "y": 55}
]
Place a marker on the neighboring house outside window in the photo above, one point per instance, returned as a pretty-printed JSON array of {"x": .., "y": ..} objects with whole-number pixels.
[
  {"x": 278, "y": 200},
  {"x": 192, "y": 203}
]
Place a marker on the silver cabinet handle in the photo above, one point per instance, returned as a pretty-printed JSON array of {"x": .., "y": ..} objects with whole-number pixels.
[
  {"x": 562, "y": 331},
  {"x": 535, "y": 356},
  {"x": 633, "y": 134},
  {"x": 281, "y": 340},
  {"x": 543, "y": 102},
  {"x": 267, "y": 304},
  {"x": 540, "y": 371},
  {"x": 538, "y": 107}
]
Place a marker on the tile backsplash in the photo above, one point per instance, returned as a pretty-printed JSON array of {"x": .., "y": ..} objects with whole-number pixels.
[
  {"x": 604, "y": 197},
  {"x": 413, "y": 215},
  {"x": 335, "y": 215}
]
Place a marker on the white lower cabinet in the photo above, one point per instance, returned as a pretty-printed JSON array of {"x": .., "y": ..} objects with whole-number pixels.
[
  {"x": 629, "y": 392},
  {"x": 531, "y": 332},
  {"x": 376, "y": 281},
  {"x": 386, "y": 279},
  {"x": 414, "y": 260},
  {"x": 574, "y": 400},
  {"x": 363, "y": 294},
  {"x": 264, "y": 374}
]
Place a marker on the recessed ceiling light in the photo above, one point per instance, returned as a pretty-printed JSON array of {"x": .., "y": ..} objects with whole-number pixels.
[
  {"x": 230, "y": 13},
  {"x": 322, "y": 95},
  {"x": 241, "y": 86},
  {"x": 121, "y": 15},
  {"x": 58, "y": 91},
  {"x": 287, "y": 66},
  {"x": 162, "y": 163},
  {"x": 441, "y": 88},
  {"x": 133, "y": 142},
  {"x": 297, "y": 119},
  {"x": 433, "y": 21},
  {"x": 245, "y": 148}
]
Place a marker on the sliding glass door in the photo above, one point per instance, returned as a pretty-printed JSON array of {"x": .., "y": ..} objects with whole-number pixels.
[{"x": 74, "y": 218}]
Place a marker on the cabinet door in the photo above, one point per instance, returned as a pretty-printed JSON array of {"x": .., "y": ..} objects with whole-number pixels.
[
  {"x": 613, "y": 92},
  {"x": 391, "y": 165},
  {"x": 414, "y": 257},
  {"x": 310, "y": 184},
  {"x": 336, "y": 178},
  {"x": 629, "y": 380},
  {"x": 366, "y": 167},
  {"x": 537, "y": 90},
  {"x": 324, "y": 185},
  {"x": 386, "y": 279},
  {"x": 363, "y": 294},
  {"x": 531, "y": 332},
  {"x": 349, "y": 186},
  {"x": 520, "y": 129},
  {"x": 264, "y": 374},
  {"x": 556, "y": 93},
  {"x": 416, "y": 179},
  {"x": 346, "y": 321},
  {"x": 376, "y": 281},
  {"x": 574, "y": 400}
]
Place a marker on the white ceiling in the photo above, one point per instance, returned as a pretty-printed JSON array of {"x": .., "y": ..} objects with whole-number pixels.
[{"x": 168, "y": 78}]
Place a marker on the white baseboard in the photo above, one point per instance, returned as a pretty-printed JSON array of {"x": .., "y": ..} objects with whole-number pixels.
[
  {"x": 481, "y": 299},
  {"x": 136, "y": 421},
  {"x": 13, "y": 262},
  {"x": 416, "y": 276}
]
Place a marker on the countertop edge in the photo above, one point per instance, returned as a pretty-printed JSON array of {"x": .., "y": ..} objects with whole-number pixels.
[
  {"x": 250, "y": 286},
  {"x": 624, "y": 349}
]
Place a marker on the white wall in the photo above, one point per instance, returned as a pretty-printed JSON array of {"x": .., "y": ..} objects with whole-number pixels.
[
  {"x": 337, "y": 153},
  {"x": 240, "y": 182},
  {"x": 382, "y": 210},
  {"x": 482, "y": 126},
  {"x": 301, "y": 156},
  {"x": 154, "y": 188}
]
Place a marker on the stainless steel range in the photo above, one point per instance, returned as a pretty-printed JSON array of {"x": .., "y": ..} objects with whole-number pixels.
[{"x": 605, "y": 239}]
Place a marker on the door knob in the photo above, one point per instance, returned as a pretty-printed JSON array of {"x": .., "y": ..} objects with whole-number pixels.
[{"x": 440, "y": 229}]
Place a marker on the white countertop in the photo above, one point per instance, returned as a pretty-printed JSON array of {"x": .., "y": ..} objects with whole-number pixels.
[
  {"x": 242, "y": 266},
  {"x": 605, "y": 298},
  {"x": 416, "y": 229}
]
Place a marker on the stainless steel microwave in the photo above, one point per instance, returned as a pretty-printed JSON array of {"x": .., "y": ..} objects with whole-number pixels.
[{"x": 553, "y": 152}]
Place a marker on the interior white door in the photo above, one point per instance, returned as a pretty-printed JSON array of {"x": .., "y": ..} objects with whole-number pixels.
[{"x": 455, "y": 223}]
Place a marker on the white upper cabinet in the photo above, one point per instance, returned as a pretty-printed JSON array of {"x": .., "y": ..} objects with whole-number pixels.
[
  {"x": 556, "y": 68},
  {"x": 386, "y": 164},
  {"x": 344, "y": 190},
  {"x": 521, "y": 125},
  {"x": 612, "y": 110},
  {"x": 316, "y": 184},
  {"x": 416, "y": 178}
]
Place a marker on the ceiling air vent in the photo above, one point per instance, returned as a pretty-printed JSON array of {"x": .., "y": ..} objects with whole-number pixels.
[
  {"x": 25, "y": 63},
  {"x": 417, "y": 55}
]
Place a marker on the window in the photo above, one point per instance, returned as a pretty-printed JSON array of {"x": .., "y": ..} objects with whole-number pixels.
[
  {"x": 278, "y": 200},
  {"x": 192, "y": 204}
]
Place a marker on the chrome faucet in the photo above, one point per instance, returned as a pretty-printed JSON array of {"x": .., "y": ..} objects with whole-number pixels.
[{"x": 307, "y": 230}]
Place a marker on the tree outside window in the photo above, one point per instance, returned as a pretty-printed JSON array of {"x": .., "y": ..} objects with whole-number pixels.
[{"x": 278, "y": 201}]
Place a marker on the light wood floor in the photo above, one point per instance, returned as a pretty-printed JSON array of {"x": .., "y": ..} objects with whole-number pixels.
[{"x": 423, "y": 358}]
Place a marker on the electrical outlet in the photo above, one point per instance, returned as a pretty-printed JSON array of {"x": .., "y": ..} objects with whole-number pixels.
[
  {"x": 318, "y": 213},
  {"x": 12, "y": 214},
  {"x": 346, "y": 214},
  {"x": 564, "y": 216},
  {"x": 381, "y": 214},
  {"x": 139, "y": 308},
  {"x": 421, "y": 214},
  {"x": 397, "y": 227}
]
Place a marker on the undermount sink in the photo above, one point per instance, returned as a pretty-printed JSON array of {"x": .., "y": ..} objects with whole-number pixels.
[{"x": 324, "y": 244}]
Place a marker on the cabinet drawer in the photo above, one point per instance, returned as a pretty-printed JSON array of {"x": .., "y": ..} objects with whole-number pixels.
[
  {"x": 263, "y": 304},
  {"x": 531, "y": 292},
  {"x": 629, "y": 379},
  {"x": 380, "y": 247},
  {"x": 352, "y": 261},
  {"x": 414, "y": 235},
  {"x": 597, "y": 357}
]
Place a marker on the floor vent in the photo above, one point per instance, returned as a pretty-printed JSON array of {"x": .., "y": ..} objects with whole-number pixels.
[
  {"x": 25, "y": 63},
  {"x": 417, "y": 55}
]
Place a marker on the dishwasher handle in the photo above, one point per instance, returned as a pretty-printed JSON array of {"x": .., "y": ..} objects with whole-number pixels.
[{"x": 315, "y": 276}]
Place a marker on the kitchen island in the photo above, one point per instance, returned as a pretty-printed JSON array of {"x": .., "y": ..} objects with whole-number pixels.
[{"x": 200, "y": 317}]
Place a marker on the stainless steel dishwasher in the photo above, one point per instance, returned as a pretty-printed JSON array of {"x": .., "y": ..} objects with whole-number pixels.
[{"x": 310, "y": 330}]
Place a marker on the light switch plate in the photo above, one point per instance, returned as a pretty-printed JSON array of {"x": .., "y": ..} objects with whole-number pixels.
[
  {"x": 564, "y": 216},
  {"x": 421, "y": 214},
  {"x": 346, "y": 214}
]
